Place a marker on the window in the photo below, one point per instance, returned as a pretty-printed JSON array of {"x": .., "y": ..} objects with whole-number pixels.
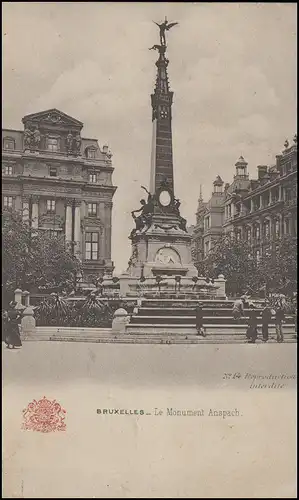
[
  {"x": 93, "y": 178},
  {"x": 7, "y": 201},
  {"x": 51, "y": 206},
  {"x": 248, "y": 234},
  {"x": 207, "y": 247},
  {"x": 238, "y": 235},
  {"x": 8, "y": 170},
  {"x": 258, "y": 256},
  {"x": 287, "y": 226},
  {"x": 92, "y": 209},
  {"x": 267, "y": 229},
  {"x": 257, "y": 232},
  {"x": 53, "y": 172},
  {"x": 277, "y": 228},
  {"x": 92, "y": 246},
  {"x": 53, "y": 233},
  {"x": 91, "y": 154},
  {"x": 207, "y": 222},
  {"x": 9, "y": 144},
  {"x": 52, "y": 144}
]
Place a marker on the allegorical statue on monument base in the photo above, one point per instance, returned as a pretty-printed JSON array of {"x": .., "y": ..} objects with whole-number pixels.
[{"x": 144, "y": 220}]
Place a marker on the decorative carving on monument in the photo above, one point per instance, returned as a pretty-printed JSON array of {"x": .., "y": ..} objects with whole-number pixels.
[
  {"x": 166, "y": 227},
  {"x": 134, "y": 257},
  {"x": 167, "y": 255}
]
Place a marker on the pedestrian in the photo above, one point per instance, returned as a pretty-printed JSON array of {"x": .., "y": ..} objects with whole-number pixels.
[
  {"x": 266, "y": 318},
  {"x": 13, "y": 338},
  {"x": 199, "y": 320},
  {"x": 251, "y": 333},
  {"x": 279, "y": 317},
  {"x": 238, "y": 308}
]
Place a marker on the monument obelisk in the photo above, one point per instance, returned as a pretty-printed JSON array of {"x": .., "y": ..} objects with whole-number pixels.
[{"x": 160, "y": 242}]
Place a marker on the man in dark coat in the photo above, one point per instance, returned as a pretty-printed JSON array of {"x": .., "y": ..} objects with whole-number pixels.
[
  {"x": 199, "y": 320},
  {"x": 13, "y": 338},
  {"x": 252, "y": 325},
  {"x": 266, "y": 318},
  {"x": 279, "y": 317}
]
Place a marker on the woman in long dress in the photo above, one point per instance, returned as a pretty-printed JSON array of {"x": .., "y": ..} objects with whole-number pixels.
[{"x": 13, "y": 338}]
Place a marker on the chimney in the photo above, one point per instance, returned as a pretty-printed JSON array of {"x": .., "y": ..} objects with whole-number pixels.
[{"x": 262, "y": 171}]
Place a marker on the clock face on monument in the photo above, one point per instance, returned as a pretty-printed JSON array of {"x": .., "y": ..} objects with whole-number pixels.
[{"x": 165, "y": 198}]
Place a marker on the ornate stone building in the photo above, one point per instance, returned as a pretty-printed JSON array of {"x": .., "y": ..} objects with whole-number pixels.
[
  {"x": 62, "y": 182},
  {"x": 256, "y": 210}
]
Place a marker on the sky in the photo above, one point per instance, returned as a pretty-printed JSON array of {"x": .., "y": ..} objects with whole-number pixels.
[{"x": 232, "y": 69}]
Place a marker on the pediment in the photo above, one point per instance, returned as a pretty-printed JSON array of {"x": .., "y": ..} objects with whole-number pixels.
[{"x": 52, "y": 117}]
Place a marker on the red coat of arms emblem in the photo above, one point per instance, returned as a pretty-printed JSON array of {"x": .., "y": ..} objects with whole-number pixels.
[{"x": 44, "y": 416}]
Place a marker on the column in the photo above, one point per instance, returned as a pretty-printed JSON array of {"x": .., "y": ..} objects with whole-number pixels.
[
  {"x": 77, "y": 228},
  {"x": 261, "y": 201},
  {"x": 281, "y": 228},
  {"x": 108, "y": 213},
  {"x": 25, "y": 208},
  {"x": 34, "y": 215},
  {"x": 68, "y": 221},
  {"x": 251, "y": 205},
  {"x": 270, "y": 196},
  {"x": 280, "y": 193},
  {"x": 102, "y": 254}
]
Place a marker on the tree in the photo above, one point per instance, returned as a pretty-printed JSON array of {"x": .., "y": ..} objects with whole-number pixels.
[
  {"x": 233, "y": 259},
  {"x": 34, "y": 258},
  {"x": 275, "y": 271}
]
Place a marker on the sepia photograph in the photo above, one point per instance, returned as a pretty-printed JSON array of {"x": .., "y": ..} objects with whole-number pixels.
[{"x": 149, "y": 249}]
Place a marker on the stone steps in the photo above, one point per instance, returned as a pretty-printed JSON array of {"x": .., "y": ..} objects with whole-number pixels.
[
  {"x": 150, "y": 335},
  {"x": 190, "y": 319}
]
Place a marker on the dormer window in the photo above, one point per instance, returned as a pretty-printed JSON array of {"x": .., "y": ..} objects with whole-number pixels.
[
  {"x": 53, "y": 144},
  {"x": 8, "y": 144},
  {"x": 91, "y": 153}
]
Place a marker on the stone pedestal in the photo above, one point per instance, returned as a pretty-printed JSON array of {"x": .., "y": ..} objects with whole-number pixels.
[
  {"x": 28, "y": 322},
  {"x": 120, "y": 320}
]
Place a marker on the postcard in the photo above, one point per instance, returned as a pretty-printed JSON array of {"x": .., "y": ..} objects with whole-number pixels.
[{"x": 149, "y": 250}]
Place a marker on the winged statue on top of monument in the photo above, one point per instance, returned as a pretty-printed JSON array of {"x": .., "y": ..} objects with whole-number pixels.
[{"x": 165, "y": 26}]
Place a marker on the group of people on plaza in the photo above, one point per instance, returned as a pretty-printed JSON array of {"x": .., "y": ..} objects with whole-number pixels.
[
  {"x": 277, "y": 311},
  {"x": 11, "y": 320},
  {"x": 268, "y": 311}
]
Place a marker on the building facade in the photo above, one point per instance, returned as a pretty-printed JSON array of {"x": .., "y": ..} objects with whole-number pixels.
[
  {"x": 62, "y": 183},
  {"x": 259, "y": 211}
]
